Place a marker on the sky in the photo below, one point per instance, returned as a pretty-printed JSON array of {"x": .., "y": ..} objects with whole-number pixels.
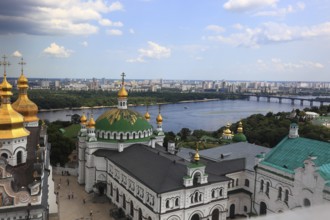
[{"x": 263, "y": 40}]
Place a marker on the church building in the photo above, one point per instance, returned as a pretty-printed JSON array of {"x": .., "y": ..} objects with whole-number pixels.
[{"x": 25, "y": 171}]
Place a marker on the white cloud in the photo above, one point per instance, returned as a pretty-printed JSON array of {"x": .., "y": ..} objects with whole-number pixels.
[
  {"x": 153, "y": 51},
  {"x": 271, "y": 32},
  {"x": 17, "y": 54},
  {"x": 276, "y": 64},
  {"x": 214, "y": 28},
  {"x": 107, "y": 22},
  {"x": 84, "y": 43},
  {"x": 281, "y": 12},
  {"x": 246, "y": 5},
  {"x": 131, "y": 31},
  {"x": 116, "y": 6},
  {"x": 55, "y": 17},
  {"x": 114, "y": 32},
  {"x": 57, "y": 51}
]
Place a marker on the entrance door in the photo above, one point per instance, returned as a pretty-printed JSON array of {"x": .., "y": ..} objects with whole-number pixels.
[
  {"x": 215, "y": 214},
  {"x": 263, "y": 208},
  {"x": 232, "y": 211}
]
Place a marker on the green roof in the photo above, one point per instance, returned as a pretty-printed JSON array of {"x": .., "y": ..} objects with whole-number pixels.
[
  {"x": 122, "y": 120},
  {"x": 239, "y": 137},
  {"x": 324, "y": 170},
  {"x": 291, "y": 153}
]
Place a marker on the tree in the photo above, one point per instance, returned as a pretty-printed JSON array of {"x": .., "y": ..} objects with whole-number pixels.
[{"x": 184, "y": 133}]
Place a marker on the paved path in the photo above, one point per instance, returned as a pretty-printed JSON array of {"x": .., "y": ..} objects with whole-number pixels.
[{"x": 74, "y": 208}]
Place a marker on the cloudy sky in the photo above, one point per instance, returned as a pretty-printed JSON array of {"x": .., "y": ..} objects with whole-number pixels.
[{"x": 169, "y": 39}]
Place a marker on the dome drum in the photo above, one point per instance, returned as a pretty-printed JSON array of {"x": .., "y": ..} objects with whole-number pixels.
[{"x": 106, "y": 135}]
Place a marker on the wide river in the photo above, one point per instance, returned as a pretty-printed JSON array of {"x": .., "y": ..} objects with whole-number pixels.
[{"x": 210, "y": 115}]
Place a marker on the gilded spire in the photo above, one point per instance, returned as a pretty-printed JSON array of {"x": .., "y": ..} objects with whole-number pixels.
[
  {"x": 23, "y": 104},
  {"x": 196, "y": 156},
  {"x": 240, "y": 127},
  {"x": 83, "y": 119},
  {"x": 91, "y": 122},
  {"x": 147, "y": 115},
  {"x": 122, "y": 93},
  {"x": 159, "y": 118}
]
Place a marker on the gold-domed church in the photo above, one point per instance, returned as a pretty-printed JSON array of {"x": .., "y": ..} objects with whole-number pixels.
[{"x": 24, "y": 178}]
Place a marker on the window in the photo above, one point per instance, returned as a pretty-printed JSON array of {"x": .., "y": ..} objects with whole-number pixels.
[
  {"x": 132, "y": 209},
  {"x": 267, "y": 189},
  {"x": 124, "y": 201},
  {"x": 286, "y": 197},
  {"x": 279, "y": 196},
  {"x": 220, "y": 193},
  {"x": 245, "y": 209},
  {"x": 117, "y": 195},
  {"x": 177, "y": 202},
  {"x": 228, "y": 185},
  {"x": 236, "y": 182},
  {"x": 247, "y": 183},
  {"x": 307, "y": 203},
  {"x": 213, "y": 193},
  {"x": 262, "y": 185},
  {"x": 167, "y": 204}
]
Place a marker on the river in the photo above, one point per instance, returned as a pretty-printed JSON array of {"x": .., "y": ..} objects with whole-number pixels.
[{"x": 209, "y": 115}]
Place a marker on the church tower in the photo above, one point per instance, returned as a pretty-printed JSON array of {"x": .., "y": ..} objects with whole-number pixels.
[
  {"x": 13, "y": 134},
  {"x": 23, "y": 104}
]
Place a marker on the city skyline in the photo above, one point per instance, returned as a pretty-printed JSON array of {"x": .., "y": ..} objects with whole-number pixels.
[{"x": 263, "y": 40}]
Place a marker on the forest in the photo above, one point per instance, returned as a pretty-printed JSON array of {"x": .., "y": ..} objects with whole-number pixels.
[{"x": 49, "y": 99}]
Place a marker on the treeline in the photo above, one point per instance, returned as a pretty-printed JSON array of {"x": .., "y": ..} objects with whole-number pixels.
[
  {"x": 265, "y": 130},
  {"x": 50, "y": 99}
]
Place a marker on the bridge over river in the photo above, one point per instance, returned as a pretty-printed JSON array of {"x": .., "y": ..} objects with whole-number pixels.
[{"x": 269, "y": 98}]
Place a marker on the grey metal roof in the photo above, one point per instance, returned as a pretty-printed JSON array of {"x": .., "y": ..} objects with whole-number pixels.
[
  {"x": 161, "y": 171},
  {"x": 229, "y": 152}
]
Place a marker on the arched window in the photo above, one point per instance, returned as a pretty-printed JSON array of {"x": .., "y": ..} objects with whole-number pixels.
[
  {"x": 111, "y": 189},
  {"x": 279, "y": 195},
  {"x": 262, "y": 185},
  {"x": 121, "y": 136},
  {"x": 114, "y": 136},
  {"x": 177, "y": 202},
  {"x": 267, "y": 188},
  {"x": 19, "y": 157},
  {"x": 196, "y": 197},
  {"x": 307, "y": 203},
  {"x": 140, "y": 214},
  {"x": 263, "y": 208},
  {"x": 124, "y": 201},
  {"x": 220, "y": 193},
  {"x": 132, "y": 208},
  {"x": 109, "y": 135},
  {"x": 195, "y": 217},
  {"x": 213, "y": 193},
  {"x": 247, "y": 183},
  {"x": 167, "y": 204},
  {"x": 4, "y": 155},
  {"x": 215, "y": 214},
  {"x": 286, "y": 196},
  {"x": 127, "y": 137},
  {"x": 117, "y": 195},
  {"x": 134, "y": 138},
  {"x": 236, "y": 182},
  {"x": 149, "y": 218}
]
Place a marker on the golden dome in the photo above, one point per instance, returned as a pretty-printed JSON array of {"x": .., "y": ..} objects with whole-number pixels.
[
  {"x": 23, "y": 104},
  {"x": 240, "y": 127},
  {"x": 196, "y": 157},
  {"x": 159, "y": 118},
  {"x": 147, "y": 115},
  {"x": 22, "y": 82},
  {"x": 227, "y": 131},
  {"x": 122, "y": 93},
  {"x": 91, "y": 123},
  {"x": 11, "y": 122},
  {"x": 83, "y": 119}
]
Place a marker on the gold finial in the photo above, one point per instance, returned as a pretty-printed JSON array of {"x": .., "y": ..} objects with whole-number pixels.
[
  {"x": 196, "y": 157},
  {"x": 4, "y": 63},
  {"x": 22, "y": 63},
  {"x": 159, "y": 118},
  {"x": 123, "y": 78},
  {"x": 147, "y": 115}
]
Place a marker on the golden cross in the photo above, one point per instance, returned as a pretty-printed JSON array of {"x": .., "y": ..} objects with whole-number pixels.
[
  {"x": 122, "y": 78},
  {"x": 4, "y": 63},
  {"x": 159, "y": 109},
  {"x": 22, "y": 63}
]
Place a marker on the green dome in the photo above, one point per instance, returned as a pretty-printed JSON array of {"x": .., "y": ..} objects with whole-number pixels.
[
  {"x": 239, "y": 137},
  {"x": 122, "y": 120}
]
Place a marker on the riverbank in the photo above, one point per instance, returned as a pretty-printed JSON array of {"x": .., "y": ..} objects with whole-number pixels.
[{"x": 130, "y": 105}]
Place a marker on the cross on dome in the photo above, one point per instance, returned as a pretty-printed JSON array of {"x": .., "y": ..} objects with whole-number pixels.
[
  {"x": 123, "y": 78},
  {"x": 4, "y": 63},
  {"x": 22, "y": 63}
]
